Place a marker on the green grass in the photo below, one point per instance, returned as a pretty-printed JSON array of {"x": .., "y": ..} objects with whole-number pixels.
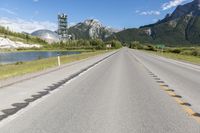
[
  {"x": 45, "y": 50},
  {"x": 11, "y": 70},
  {"x": 185, "y": 58}
]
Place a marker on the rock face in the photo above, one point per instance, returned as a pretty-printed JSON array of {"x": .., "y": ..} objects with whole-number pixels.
[
  {"x": 192, "y": 8},
  {"x": 90, "y": 29},
  {"x": 94, "y": 28},
  {"x": 6, "y": 43},
  {"x": 182, "y": 27}
]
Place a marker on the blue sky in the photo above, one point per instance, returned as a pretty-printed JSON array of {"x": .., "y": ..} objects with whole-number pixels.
[{"x": 29, "y": 15}]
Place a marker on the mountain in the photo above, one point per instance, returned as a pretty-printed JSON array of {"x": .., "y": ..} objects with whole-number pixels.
[
  {"x": 182, "y": 27},
  {"x": 90, "y": 29}
]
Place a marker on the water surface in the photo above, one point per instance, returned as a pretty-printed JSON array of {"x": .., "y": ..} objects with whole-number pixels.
[{"x": 13, "y": 57}]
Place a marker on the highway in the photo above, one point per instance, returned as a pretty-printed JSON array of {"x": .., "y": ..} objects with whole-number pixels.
[
  {"x": 127, "y": 92},
  {"x": 184, "y": 78}
]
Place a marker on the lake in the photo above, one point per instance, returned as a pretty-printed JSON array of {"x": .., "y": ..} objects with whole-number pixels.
[{"x": 13, "y": 57}]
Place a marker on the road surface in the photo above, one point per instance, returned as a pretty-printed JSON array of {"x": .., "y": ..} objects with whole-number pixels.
[
  {"x": 118, "y": 95},
  {"x": 184, "y": 78}
]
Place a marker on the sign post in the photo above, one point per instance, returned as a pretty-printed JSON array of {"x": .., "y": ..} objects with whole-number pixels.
[{"x": 58, "y": 59}]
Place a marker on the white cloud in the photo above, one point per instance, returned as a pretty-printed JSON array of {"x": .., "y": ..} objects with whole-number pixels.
[
  {"x": 8, "y": 11},
  {"x": 149, "y": 13},
  {"x": 20, "y": 25},
  {"x": 171, "y": 4},
  {"x": 137, "y": 11}
]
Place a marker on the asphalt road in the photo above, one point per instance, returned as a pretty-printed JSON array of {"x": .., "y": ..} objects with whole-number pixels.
[
  {"x": 184, "y": 78},
  {"x": 117, "y": 95}
]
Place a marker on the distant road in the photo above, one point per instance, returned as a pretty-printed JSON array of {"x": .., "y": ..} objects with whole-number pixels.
[{"x": 121, "y": 94}]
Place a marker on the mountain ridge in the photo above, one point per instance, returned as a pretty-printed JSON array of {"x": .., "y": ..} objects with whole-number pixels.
[
  {"x": 182, "y": 27},
  {"x": 90, "y": 29}
]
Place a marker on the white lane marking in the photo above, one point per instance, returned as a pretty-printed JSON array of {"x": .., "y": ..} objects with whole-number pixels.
[
  {"x": 6, "y": 121},
  {"x": 176, "y": 62},
  {"x": 139, "y": 60}
]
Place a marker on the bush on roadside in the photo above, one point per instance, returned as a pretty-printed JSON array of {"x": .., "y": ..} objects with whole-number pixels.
[
  {"x": 195, "y": 53},
  {"x": 175, "y": 51},
  {"x": 136, "y": 45},
  {"x": 186, "y": 52},
  {"x": 115, "y": 44},
  {"x": 19, "y": 63},
  {"x": 150, "y": 48},
  {"x": 97, "y": 44}
]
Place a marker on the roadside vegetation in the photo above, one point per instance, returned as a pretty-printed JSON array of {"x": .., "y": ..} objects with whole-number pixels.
[
  {"x": 25, "y": 38},
  {"x": 73, "y": 45},
  {"x": 188, "y": 54},
  {"x": 87, "y": 48},
  {"x": 92, "y": 44},
  {"x": 21, "y": 68}
]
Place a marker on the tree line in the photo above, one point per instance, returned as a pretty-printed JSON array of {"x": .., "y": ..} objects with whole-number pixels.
[{"x": 95, "y": 44}]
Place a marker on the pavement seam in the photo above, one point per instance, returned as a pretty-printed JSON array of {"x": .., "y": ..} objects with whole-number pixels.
[
  {"x": 18, "y": 106},
  {"x": 177, "y": 98},
  {"x": 185, "y": 105}
]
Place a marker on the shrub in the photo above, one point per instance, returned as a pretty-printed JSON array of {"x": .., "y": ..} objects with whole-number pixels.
[
  {"x": 151, "y": 48},
  {"x": 176, "y": 51},
  {"x": 186, "y": 52},
  {"x": 136, "y": 45},
  {"x": 195, "y": 53},
  {"x": 98, "y": 44},
  {"x": 19, "y": 63},
  {"x": 115, "y": 44}
]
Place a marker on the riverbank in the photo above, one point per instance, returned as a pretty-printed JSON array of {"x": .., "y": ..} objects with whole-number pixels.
[
  {"x": 12, "y": 70},
  {"x": 45, "y": 50}
]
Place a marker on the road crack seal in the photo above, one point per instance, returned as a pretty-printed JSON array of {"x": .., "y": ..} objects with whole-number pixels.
[{"x": 185, "y": 105}]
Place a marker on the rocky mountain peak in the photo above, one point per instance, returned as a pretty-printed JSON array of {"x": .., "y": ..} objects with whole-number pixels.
[
  {"x": 190, "y": 9},
  {"x": 183, "y": 10},
  {"x": 93, "y": 22},
  {"x": 181, "y": 27},
  {"x": 91, "y": 29},
  {"x": 197, "y": 4},
  {"x": 196, "y": 1}
]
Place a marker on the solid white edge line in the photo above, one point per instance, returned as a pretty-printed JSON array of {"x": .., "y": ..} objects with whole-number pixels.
[{"x": 7, "y": 120}]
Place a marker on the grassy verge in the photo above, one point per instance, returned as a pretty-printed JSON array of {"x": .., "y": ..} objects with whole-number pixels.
[
  {"x": 46, "y": 50},
  {"x": 185, "y": 58},
  {"x": 7, "y": 71}
]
